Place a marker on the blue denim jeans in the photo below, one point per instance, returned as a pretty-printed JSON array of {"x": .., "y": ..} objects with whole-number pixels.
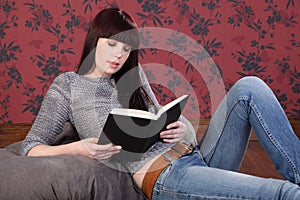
[{"x": 210, "y": 171}]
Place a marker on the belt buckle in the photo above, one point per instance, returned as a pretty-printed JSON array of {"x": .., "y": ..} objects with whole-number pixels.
[
  {"x": 182, "y": 149},
  {"x": 189, "y": 149}
]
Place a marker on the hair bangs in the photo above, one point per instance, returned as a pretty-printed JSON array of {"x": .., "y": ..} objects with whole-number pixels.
[{"x": 128, "y": 36}]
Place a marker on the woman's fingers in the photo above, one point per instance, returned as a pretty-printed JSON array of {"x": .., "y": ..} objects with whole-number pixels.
[
  {"x": 175, "y": 132},
  {"x": 93, "y": 150},
  {"x": 108, "y": 152}
]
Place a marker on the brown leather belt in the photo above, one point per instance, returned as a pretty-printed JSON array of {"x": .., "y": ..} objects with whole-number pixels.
[{"x": 176, "y": 152}]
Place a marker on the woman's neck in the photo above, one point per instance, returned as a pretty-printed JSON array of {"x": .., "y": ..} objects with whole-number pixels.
[{"x": 96, "y": 74}]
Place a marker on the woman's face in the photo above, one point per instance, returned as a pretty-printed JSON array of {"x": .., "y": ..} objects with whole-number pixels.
[{"x": 110, "y": 56}]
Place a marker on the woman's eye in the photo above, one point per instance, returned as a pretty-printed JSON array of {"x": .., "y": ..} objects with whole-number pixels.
[
  {"x": 111, "y": 43},
  {"x": 127, "y": 49}
]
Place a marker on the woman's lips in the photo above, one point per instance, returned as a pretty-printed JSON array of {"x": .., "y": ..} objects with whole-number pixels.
[{"x": 114, "y": 64}]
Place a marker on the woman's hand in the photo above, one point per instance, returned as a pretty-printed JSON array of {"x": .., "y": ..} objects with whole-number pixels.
[
  {"x": 87, "y": 147},
  {"x": 175, "y": 132},
  {"x": 90, "y": 148}
]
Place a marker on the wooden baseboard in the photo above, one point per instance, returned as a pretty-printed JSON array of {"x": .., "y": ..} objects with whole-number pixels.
[{"x": 10, "y": 133}]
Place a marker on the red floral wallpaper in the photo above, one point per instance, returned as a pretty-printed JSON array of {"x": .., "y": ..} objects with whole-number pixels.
[{"x": 41, "y": 39}]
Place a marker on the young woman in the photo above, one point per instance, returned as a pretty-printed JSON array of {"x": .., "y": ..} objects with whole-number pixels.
[{"x": 176, "y": 167}]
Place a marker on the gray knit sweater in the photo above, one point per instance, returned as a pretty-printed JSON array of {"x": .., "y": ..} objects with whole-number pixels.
[{"x": 86, "y": 102}]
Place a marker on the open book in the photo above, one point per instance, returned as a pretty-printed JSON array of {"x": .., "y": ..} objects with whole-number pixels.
[{"x": 137, "y": 130}]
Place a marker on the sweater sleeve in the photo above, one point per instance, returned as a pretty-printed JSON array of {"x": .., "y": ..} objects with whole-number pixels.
[
  {"x": 52, "y": 116},
  {"x": 190, "y": 137}
]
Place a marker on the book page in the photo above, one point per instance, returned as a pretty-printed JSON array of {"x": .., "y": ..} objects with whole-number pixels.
[
  {"x": 134, "y": 113},
  {"x": 170, "y": 105}
]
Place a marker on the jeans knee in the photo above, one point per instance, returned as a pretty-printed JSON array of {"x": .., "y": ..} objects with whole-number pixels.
[
  {"x": 251, "y": 87},
  {"x": 252, "y": 84},
  {"x": 250, "y": 80}
]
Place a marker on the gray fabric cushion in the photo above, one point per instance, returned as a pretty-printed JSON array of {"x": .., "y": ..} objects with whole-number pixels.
[{"x": 62, "y": 177}]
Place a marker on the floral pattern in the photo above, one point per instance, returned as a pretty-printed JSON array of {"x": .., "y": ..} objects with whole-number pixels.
[{"x": 42, "y": 39}]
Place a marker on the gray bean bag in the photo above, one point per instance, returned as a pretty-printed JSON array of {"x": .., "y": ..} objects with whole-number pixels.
[{"x": 62, "y": 177}]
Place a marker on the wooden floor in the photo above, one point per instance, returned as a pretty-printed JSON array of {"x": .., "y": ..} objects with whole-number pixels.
[{"x": 256, "y": 162}]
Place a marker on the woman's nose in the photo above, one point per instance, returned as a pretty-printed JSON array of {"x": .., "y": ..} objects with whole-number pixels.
[{"x": 120, "y": 53}]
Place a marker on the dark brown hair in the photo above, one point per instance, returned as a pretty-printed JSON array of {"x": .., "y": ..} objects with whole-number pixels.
[{"x": 118, "y": 25}]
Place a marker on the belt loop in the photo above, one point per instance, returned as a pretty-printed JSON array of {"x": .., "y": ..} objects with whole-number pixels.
[{"x": 167, "y": 156}]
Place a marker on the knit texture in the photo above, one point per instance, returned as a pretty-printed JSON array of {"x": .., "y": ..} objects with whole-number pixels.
[{"x": 86, "y": 103}]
